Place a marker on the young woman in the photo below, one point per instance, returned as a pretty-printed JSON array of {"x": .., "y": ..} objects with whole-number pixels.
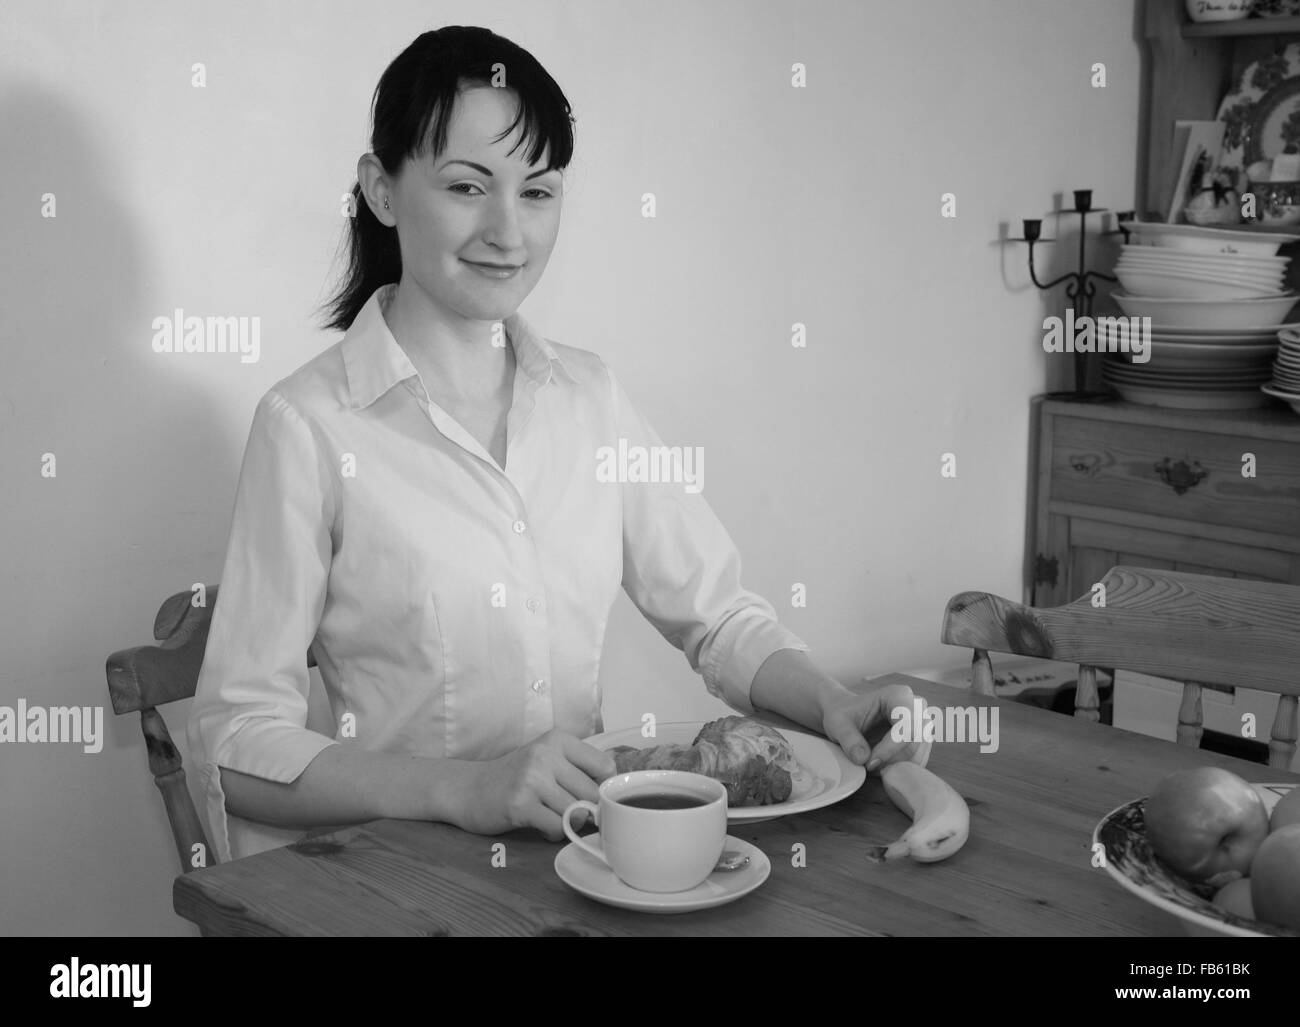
[{"x": 420, "y": 505}]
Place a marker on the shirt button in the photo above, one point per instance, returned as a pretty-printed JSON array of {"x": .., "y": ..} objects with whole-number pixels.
[
  {"x": 519, "y": 527},
  {"x": 538, "y": 686},
  {"x": 532, "y": 605}
]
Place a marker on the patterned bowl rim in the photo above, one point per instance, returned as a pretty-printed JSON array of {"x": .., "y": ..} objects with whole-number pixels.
[{"x": 1218, "y": 919}]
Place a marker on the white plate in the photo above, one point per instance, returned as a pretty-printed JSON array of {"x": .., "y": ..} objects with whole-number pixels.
[
  {"x": 1223, "y": 315},
  {"x": 1268, "y": 333},
  {"x": 1155, "y": 368},
  {"x": 1274, "y": 285},
  {"x": 832, "y": 775},
  {"x": 1292, "y": 399},
  {"x": 1164, "y": 253},
  {"x": 1229, "y": 342},
  {"x": 1272, "y": 281},
  {"x": 1194, "y": 385},
  {"x": 1191, "y": 399},
  {"x": 584, "y": 873},
  {"x": 1210, "y": 355},
  {"x": 1213, "y": 265},
  {"x": 1156, "y": 285},
  {"x": 1178, "y": 262},
  {"x": 1130, "y": 861},
  {"x": 1195, "y": 239},
  {"x": 1184, "y": 378}
]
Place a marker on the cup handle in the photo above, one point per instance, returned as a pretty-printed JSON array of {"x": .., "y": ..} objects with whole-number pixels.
[{"x": 583, "y": 843}]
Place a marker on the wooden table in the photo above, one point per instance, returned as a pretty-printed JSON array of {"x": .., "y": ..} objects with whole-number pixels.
[{"x": 1026, "y": 869}]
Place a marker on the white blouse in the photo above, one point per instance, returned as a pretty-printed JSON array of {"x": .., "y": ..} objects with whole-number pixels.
[{"x": 455, "y": 608}]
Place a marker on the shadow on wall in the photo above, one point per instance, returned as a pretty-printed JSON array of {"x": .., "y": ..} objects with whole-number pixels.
[{"x": 139, "y": 508}]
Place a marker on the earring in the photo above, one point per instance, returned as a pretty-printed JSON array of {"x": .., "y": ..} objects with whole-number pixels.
[{"x": 385, "y": 205}]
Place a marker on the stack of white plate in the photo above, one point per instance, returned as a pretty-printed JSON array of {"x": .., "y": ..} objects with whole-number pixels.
[
  {"x": 1215, "y": 298},
  {"x": 1186, "y": 276},
  {"x": 1199, "y": 369},
  {"x": 1285, "y": 382},
  {"x": 1161, "y": 272}
]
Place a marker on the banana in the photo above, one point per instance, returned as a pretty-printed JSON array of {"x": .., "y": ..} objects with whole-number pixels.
[{"x": 940, "y": 817}]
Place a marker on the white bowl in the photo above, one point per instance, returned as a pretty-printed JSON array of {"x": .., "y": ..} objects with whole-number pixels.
[
  {"x": 1206, "y": 314},
  {"x": 1195, "y": 239},
  {"x": 1156, "y": 284}
]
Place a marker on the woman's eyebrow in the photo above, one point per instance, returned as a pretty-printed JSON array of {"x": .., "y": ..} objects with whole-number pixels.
[{"x": 480, "y": 168}]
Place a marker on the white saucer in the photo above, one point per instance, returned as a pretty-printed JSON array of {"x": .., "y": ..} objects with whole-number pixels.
[{"x": 584, "y": 873}]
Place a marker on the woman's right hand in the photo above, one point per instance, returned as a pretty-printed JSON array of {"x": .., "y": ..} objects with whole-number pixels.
[{"x": 533, "y": 785}]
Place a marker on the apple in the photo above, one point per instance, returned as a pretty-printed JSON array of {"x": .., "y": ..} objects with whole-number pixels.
[
  {"x": 1206, "y": 823},
  {"x": 1287, "y": 811},
  {"x": 1234, "y": 897},
  {"x": 1275, "y": 878}
]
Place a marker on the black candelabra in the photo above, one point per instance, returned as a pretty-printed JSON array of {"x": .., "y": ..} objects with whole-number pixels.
[{"x": 1079, "y": 289}]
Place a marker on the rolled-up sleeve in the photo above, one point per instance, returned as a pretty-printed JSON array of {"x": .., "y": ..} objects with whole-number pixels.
[
  {"x": 250, "y": 707},
  {"x": 682, "y": 570}
]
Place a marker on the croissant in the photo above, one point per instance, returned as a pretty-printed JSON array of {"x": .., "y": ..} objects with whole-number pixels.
[{"x": 754, "y": 762}]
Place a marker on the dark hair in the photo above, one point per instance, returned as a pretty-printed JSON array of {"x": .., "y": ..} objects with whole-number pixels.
[{"x": 417, "y": 90}]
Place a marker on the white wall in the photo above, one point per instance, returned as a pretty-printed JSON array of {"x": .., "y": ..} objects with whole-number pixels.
[{"x": 775, "y": 205}]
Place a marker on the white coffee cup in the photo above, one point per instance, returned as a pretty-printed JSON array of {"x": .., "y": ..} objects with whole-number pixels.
[{"x": 657, "y": 849}]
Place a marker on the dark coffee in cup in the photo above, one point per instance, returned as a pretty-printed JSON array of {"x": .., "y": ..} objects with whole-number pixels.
[{"x": 664, "y": 800}]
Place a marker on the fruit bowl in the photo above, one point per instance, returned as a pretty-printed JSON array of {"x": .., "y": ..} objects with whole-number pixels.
[{"x": 1131, "y": 862}]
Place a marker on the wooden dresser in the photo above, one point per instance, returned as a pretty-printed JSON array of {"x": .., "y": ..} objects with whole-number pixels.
[{"x": 1119, "y": 483}]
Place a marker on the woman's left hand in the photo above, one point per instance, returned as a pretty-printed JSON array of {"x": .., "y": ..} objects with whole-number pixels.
[{"x": 850, "y": 718}]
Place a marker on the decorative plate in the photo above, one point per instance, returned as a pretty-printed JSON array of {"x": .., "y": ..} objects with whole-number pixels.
[{"x": 1261, "y": 115}]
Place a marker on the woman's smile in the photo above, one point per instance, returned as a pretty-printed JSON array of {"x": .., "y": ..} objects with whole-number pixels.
[{"x": 495, "y": 270}]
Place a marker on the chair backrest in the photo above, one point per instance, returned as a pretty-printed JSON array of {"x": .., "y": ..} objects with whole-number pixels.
[
  {"x": 148, "y": 676},
  {"x": 1194, "y": 628}
]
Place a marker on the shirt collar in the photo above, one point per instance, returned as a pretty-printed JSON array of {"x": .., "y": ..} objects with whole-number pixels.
[{"x": 374, "y": 361}]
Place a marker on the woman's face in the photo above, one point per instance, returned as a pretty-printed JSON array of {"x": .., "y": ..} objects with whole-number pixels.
[{"x": 450, "y": 214}]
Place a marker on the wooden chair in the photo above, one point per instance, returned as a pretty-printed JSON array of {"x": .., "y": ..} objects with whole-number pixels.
[
  {"x": 1194, "y": 628},
  {"x": 148, "y": 676}
]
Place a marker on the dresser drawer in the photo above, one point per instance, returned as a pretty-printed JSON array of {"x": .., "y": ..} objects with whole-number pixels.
[{"x": 1171, "y": 472}]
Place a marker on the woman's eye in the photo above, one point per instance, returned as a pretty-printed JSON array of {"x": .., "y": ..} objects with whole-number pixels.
[{"x": 542, "y": 194}]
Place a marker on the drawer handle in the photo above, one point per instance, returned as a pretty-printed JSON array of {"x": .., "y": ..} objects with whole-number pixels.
[
  {"x": 1085, "y": 464},
  {"x": 1180, "y": 475}
]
